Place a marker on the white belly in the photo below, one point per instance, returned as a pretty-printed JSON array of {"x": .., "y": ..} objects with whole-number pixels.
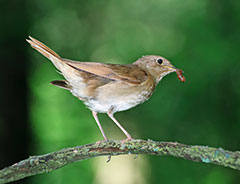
[
  {"x": 116, "y": 105},
  {"x": 116, "y": 102}
]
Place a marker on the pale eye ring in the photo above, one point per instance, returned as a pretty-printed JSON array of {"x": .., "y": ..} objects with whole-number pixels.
[{"x": 160, "y": 61}]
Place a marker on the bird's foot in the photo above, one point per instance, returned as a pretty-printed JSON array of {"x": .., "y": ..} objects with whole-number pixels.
[
  {"x": 126, "y": 140},
  {"x": 99, "y": 142}
]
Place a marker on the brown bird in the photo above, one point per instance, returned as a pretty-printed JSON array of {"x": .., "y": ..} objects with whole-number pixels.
[{"x": 109, "y": 88}]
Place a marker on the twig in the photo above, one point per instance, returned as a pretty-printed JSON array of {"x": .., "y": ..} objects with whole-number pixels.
[{"x": 46, "y": 163}]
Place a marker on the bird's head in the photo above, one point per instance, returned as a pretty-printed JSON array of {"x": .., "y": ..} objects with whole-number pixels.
[{"x": 157, "y": 66}]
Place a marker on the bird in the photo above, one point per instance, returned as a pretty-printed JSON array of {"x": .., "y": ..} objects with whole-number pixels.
[{"x": 109, "y": 88}]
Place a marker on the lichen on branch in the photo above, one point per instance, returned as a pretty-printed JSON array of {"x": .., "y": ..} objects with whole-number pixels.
[{"x": 46, "y": 163}]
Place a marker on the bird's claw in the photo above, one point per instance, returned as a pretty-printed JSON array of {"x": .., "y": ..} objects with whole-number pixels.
[
  {"x": 99, "y": 142},
  {"x": 126, "y": 140}
]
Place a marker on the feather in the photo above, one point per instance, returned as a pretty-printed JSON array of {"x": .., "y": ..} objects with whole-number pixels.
[
  {"x": 61, "y": 84},
  {"x": 128, "y": 73}
]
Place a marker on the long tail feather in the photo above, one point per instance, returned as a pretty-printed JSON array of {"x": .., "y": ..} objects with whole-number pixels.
[
  {"x": 43, "y": 49},
  {"x": 47, "y": 52}
]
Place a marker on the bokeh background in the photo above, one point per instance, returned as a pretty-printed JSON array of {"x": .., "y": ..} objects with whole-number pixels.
[{"x": 201, "y": 37}]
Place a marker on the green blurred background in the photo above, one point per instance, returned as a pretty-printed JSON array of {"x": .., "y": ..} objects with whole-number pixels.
[{"x": 201, "y": 37}]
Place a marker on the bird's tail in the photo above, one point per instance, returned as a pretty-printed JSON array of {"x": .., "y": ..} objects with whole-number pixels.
[{"x": 47, "y": 52}]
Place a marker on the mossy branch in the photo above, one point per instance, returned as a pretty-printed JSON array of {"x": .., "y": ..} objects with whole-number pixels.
[{"x": 46, "y": 163}]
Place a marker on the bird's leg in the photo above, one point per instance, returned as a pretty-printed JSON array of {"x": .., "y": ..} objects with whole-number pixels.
[
  {"x": 110, "y": 114},
  {"x": 99, "y": 125}
]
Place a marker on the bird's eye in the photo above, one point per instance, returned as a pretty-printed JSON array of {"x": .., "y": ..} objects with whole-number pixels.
[{"x": 159, "y": 61}]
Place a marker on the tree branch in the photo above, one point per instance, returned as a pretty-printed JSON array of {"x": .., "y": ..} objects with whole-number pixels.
[{"x": 46, "y": 163}]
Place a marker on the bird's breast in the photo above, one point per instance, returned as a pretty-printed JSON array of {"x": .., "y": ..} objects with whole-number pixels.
[{"x": 120, "y": 96}]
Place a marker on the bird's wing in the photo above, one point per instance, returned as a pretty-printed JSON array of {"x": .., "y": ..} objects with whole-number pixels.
[
  {"x": 128, "y": 73},
  {"x": 90, "y": 70}
]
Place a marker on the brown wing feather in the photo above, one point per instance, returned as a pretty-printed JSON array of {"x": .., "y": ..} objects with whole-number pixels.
[
  {"x": 93, "y": 74},
  {"x": 128, "y": 73}
]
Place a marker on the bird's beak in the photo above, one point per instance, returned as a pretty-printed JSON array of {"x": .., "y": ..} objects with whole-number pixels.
[
  {"x": 179, "y": 72},
  {"x": 171, "y": 68}
]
